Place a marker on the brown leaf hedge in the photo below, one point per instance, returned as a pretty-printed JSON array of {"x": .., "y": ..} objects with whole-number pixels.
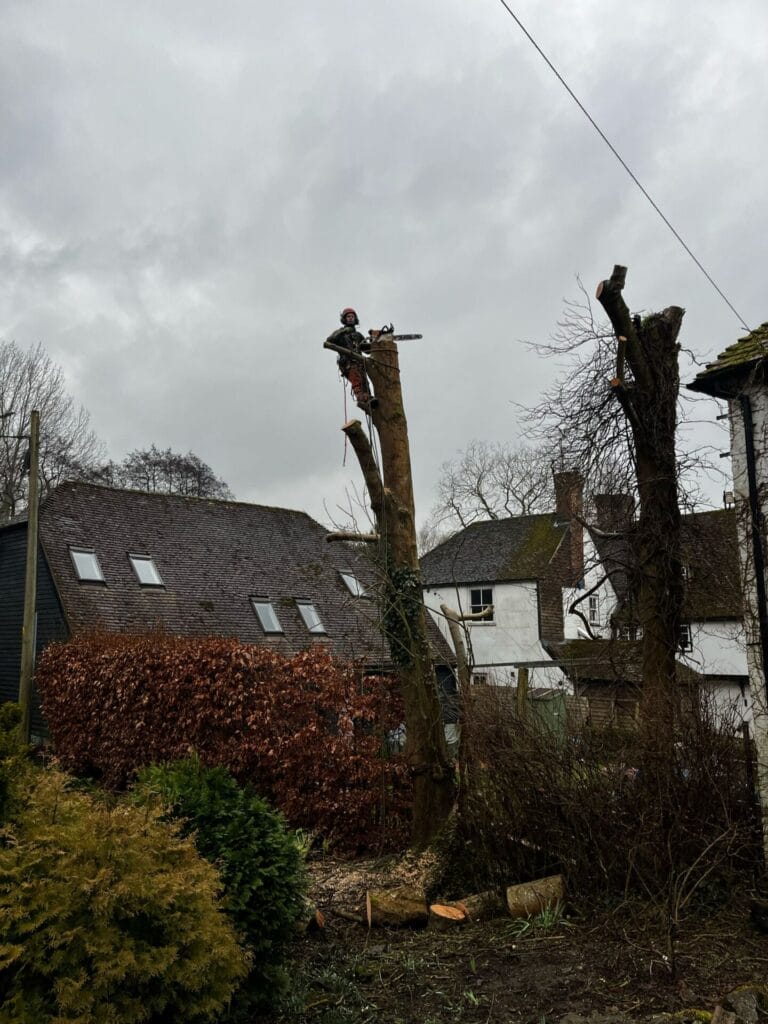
[{"x": 309, "y": 733}]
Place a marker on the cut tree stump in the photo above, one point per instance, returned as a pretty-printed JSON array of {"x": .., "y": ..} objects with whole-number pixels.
[
  {"x": 532, "y": 897},
  {"x": 312, "y": 920},
  {"x": 403, "y": 907},
  {"x": 443, "y": 917}
]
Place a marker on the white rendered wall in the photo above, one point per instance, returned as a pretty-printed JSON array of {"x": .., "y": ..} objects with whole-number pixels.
[
  {"x": 513, "y": 636},
  {"x": 759, "y": 703},
  {"x": 594, "y": 574}
]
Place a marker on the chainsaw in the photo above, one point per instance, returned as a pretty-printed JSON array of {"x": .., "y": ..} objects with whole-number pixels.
[{"x": 389, "y": 330}]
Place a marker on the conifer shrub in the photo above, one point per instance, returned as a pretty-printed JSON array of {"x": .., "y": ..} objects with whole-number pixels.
[
  {"x": 14, "y": 765},
  {"x": 108, "y": 915},
  {"x": 258, "y": 859},
  {"x": 308, "y": 732}
]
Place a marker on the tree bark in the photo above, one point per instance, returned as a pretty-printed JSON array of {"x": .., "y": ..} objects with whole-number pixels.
[
  {"x": 399, "y": 908},
  {"x": 390, "y": 490},
  {"x": 649, "y": 348},
  {"x": 532, "y": 897}
]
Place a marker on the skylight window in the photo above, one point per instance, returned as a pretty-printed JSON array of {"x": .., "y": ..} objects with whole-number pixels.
[
  {"x": 354, "y": 586},
  {"x": 266, "y": 615},
  {"x": 86, "y": 565},
  {"x": 311, "y": 619},
  {"x": 146, "y": 570}
]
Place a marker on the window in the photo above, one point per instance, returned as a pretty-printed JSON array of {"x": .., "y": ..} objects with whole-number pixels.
[
  {"x": 480, "y": 678},
  {"x": 480, "y": 598},
  {"x": 685, "y": 642},
  {"x": 630, "y": 633},
  {"x": 594, "y": 610},
  {"x": 354, "y": 586},
  {"x": 146, "y": 570},
  {"x": 266, "y": 615},
  {"x": 86, "y": 565},
  {"x": 687, "y": 573},
  {"x": 311, "y": 619}
]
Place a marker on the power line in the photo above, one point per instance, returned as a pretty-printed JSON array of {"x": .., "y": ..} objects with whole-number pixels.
[{"x": 623, "y": 163}]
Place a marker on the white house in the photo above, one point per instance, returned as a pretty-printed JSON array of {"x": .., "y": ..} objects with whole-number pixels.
[
  {"x": 561, "y": 593},
  {"x": 738, "y": 375},
  {"x": 520, "y": 566}
]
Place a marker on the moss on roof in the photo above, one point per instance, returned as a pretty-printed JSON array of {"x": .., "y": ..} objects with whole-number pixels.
[
  {"x": 745, "y": 352},
  {"x": 518, "y": 548}
]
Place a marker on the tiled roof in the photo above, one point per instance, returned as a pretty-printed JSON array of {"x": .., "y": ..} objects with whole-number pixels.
[
  {"x": 733, "y": 363},
  {"x": 608, "y": 661},
  {"x": 519, "y": 548},
  {"x": 212, "y": 557},
  {"x": 711, "y": 557}
]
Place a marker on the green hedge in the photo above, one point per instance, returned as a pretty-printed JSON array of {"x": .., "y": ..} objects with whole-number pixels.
[{"x": 257, "y": 857}]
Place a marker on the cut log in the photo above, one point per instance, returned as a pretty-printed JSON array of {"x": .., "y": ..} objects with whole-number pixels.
[
  {"x": 532, "y": 897},
  {"x": 403, "y": 907},
  {"x": 443, "y": 917},
  {"x": 482, "y": 906}
]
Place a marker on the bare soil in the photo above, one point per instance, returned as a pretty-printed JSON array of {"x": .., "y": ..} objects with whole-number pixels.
[{"x": 608, "y": 968}]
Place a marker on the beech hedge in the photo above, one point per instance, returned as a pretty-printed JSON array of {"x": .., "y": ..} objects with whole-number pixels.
[{"x": 307, "y": 732}]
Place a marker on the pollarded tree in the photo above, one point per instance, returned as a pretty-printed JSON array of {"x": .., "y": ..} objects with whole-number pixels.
[
  {"x": 69, "y": 449},
  {"x": 390, "y": 490},
  {"x": 617, "y": 407}
]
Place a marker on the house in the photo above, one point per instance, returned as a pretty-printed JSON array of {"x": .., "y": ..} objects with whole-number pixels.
[
  {"x": 133, "y": 562},
  {"x": 712, "y": 642},
  {"x": 739, "y": 376},
  {"x": 561, "y": 590},
  {"x": 519, "y": 566}
]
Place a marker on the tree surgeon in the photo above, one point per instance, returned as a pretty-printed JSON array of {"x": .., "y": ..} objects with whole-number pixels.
[{"x": 350, "y": 345}]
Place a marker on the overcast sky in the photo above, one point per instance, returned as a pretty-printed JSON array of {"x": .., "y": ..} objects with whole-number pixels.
[{"x": 190, "y": 192}]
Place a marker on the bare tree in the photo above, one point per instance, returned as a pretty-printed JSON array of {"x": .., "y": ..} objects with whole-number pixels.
[
  {"x": 69, "y": 449},
  {"x": 489, "y": 481},
  {"x": 153, "y": 469}
]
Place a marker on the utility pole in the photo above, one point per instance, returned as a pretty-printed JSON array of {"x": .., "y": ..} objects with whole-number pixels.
[{"x": 30, "y": 584}]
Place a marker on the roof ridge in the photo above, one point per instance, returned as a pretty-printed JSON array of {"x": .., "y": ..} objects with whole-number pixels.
[{"x": 82, "y": 484}]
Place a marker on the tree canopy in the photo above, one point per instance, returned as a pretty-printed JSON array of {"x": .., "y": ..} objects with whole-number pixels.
[
  {"x": 167, "y": 471},
  {"x": 69, "y": 449}
]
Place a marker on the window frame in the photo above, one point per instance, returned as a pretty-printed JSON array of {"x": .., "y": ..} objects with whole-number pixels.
[
  {"x": 318, "y": 629},
  {"x": 77, "y": 550},
  {"x": 685, "y": 637},
  {"x": 593, "y": 610},
  {"x": 268, "y": 630},
  {"x": 157, "y": 584},
  {"x": 477, "y": 606},
  {"x": 358, "y": 590}
]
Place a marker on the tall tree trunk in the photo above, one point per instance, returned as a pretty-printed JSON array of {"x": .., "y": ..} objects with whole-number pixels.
[
  {"x": 390, "y": 490},
  {"x": 648, "y": 395}
]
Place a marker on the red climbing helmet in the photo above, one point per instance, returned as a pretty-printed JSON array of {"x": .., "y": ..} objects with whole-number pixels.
[{"x": 346, "y": 311}]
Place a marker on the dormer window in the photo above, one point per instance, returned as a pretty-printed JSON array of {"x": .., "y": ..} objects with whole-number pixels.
[
  {"x": 86, "y": 565},
  {"x": 266, "y": 615},
  {"x": 309, "y": 615},
  {"x": 354, "y": 586},
  {"x": 146, "y": 570}
]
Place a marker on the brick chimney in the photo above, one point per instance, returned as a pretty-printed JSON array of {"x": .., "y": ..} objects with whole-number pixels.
[
  {"x": 614, "y": 512},
  {"x": 569, "y": 502}
]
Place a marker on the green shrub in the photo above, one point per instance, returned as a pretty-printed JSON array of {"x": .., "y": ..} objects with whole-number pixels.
[
  {"x": 258, "y": 858},
  {"x": 107, "y": 915},
  {"x": 14, "y": 764}
]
